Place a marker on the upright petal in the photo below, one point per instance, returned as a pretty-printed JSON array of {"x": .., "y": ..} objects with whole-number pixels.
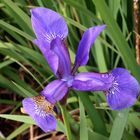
[
  {"x": 41, "y": 112},
  {"x": 124, "y": 90},
  {"x": 85, "y": 44},
  {"x": 50, "y": 56},
  {"x": 59, "y": 48},
  {"x": 48, "y": 24},
  {"x": 89, "y": 81},
  {"x": 55, "y": 91}
]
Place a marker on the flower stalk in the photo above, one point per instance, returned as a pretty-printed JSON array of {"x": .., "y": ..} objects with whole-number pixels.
[{"x": 66, "y": 122}]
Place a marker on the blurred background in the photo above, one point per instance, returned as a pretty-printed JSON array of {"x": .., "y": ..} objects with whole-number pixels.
[{"x": 24, "y": 71}]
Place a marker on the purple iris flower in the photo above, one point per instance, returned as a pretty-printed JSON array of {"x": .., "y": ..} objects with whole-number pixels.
[{"x": 121, "y": 89}]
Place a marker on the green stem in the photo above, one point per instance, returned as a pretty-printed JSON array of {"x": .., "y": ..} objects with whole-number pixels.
[{"x": 65, "y": 118}]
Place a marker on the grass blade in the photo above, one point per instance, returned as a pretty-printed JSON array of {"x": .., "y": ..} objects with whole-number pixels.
[
  {"x": 119, "y": 125},
  {"x": 20, "y": 16},
  {"x": 29, "y": 120},
  {"x": 94, "y": 115},
  {"x": 14, "y": 29},
  {"x": 83, "y": 124},
  {"x": 118, "y": 37},
  {"x": 18, "y": 131},
  {"x": 20, "y": 118}
]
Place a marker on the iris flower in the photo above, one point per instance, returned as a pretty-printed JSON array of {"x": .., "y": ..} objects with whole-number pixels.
[{"x": 121, "y": 89}]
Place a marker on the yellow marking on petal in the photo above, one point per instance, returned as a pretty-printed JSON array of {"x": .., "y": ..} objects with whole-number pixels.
[
  {"x": 43, "y": 104},
  {"x": 22, "y": 110}
]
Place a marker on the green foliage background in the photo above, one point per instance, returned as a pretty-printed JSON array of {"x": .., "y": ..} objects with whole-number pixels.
[{"x": 114, "y": 48}]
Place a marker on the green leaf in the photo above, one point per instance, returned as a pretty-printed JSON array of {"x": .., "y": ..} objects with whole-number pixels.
[
  {"x": 83, "y": 123},
  {"x": 5, "y": 63},
  {"x": 16, "y": 30},
  {"x": 114, "y": 7},
  {"x": 96, "y": 136},
  {"x": 19, "y": 118},
  {"x": 8, "y": 102},
  {"x": 19, "y": 15},
  {"x": 18, "y": 131},
  {"x": 117, "y": 37},
  {"x": 29, "y": 120},
  {"x": 119, "y": 125},
  {"x": 135, "y": 120},
  {"x": 11, "y": 74},
  {"x": 76, "y": 24},
  {"x": 98, "y": 50},
  {"x": 5, "y": 83},
  {"x": 94, "y": 115},
  {"x": 82, "y": 10},
  {"x": 27, "y": 93},
  {"x": 128, "y": 136}
]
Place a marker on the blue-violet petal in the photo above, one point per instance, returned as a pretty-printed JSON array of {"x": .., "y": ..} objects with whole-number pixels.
[
  {"x": 50, "y": 56},
  {"x": 124, "y": 90},
  {"x": 41, "y": 112},
  {"x": 55, "y": 91},
  {"x": 85, "y": 44},
  {"x": 90, "y": 81},
  {"x": 59, "y": 48},
  {"x": 48, "y": 24}
]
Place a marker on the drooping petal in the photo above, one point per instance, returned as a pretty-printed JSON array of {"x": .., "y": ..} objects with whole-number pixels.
[
  {"x": 85, "y": 44},
  {"x": 42, "y": 45},
  {"x": 89, "y": 81},
  {"x": 41, "y": 112},
  {"x": 48, "y": 24},
  {"x": 50, "y": 56},
  {"x": 124, "y": 90},
  {"x": 55, "y": 91},
  {"x": 59, "y": 48}
]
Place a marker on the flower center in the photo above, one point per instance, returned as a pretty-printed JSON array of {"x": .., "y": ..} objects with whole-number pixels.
[
  {"x": 49, "y": 37},
  {"x": 68, "y": 80},
  {"x": 114, "y": 87},
  {"x": 42, "y": 106}
]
